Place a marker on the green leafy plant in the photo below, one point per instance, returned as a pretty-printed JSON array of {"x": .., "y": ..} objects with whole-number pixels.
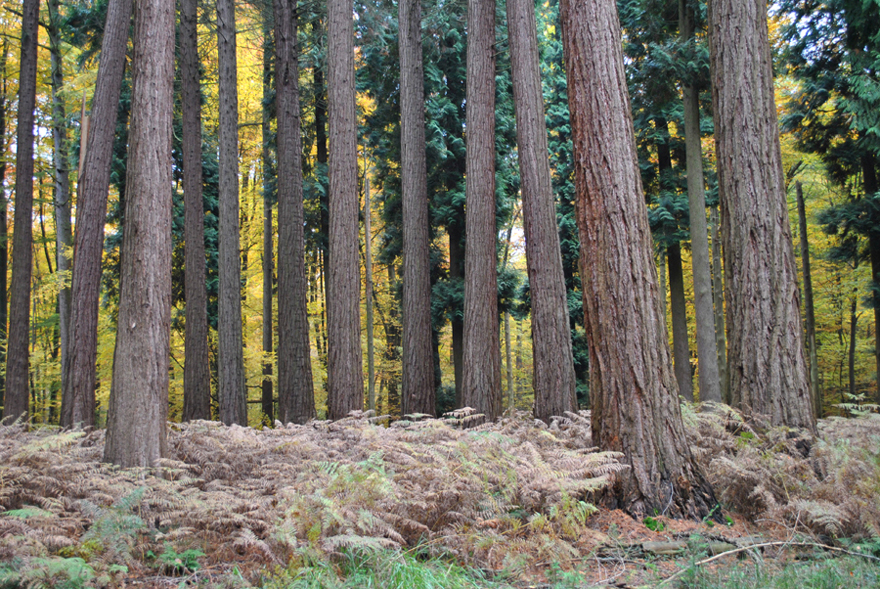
[
  {"x": 175, "y": 563},
  {"x": 654, "y": 524}
]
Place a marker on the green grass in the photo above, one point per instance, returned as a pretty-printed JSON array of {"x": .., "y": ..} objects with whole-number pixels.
[
  {"x": 820, "y": 573},
  {"x": 380, "y": 570}
]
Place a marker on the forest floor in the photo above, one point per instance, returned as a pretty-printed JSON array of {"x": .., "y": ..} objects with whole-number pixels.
[{"x": 435, "y": 503}]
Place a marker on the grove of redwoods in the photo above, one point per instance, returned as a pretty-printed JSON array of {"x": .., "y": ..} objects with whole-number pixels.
[{"x": 286, "y": 211}]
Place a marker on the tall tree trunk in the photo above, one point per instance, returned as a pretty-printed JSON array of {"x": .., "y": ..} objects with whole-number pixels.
[
  {"x": 63, "y": 231},
  {"x": 196, "y": 367},
  {"x": 768, "y": 375},
  {"x": 419, "y": 395},
  {"x": 718, "y": 301},
  {"x": 809, "y": 313},
  {"x": 78, "y": 394},
  {"x": 456, "y": 273},
  {"x": 296, "y": 397},
  {"x": 4, "y": 246},
  {"x": 663, "y": 287},
  {"x": 368, "y": 276},
  {"x": 707, "y": 351},
  {"x": 853, "y": 323},
  {"x": 268, "y": 176},
  {"x": 869, "y": 176},
  {"x": 17, "y": 354},
  {"x": 508, "y": 362},
  {"x": 344, "y": 368},
  {"x": 554, "y": 378},
  {"x": 481, "y": 382},
  {"x": 232, "y": 392},
  {"x": 680, "y": 350},
  {"x": 139, "y": 395},
  {"x": 633, "y": 391},
  {"x": 681, "y": 357}
]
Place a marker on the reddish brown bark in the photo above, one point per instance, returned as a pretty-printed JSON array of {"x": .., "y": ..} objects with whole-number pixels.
[
  {"x": 768, "y": 374},
  {"x": 232, "y": 393},
  {"x": 554, "y": 378},
  {"x": 196, "y": 368},
  {"x": 635, "y": 408},
  {"x": 78, "y": 396},
  {"x": 296, "y": 398},
  {"x": 345, "y": 360},
  {"x": 481, "y": 382},
  {"x": 15, "y": 403},
  {"x": 418, "y": 394}
]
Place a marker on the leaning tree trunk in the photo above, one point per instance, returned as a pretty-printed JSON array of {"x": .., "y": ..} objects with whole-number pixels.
[
  {"x": 138, "y": 411},
  {"x": 196, "y": 367},
  {"x": 418, "y": 394},
  {"x": 344, "y": 368},
  {"x": 17, "y": 352},
  {"x": 296, "y": 397},
  {"x": 554, "y": 378},
  {"x": 63, "y": 231},
  {"x": 78, "y": 394},
  {"x": 633, "y": 391},
  {"x": 232, "y": 393},
  {"x": 768, "y": 375},
  {"x": 481, "y": 382},
  {"x": 707, "y": 351}
]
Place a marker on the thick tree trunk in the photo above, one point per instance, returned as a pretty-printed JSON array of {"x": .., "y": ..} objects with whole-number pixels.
[
  {"x": 418, "y": 392},
  {"x": 718, "y": 302},
  {"x": 17, "y": 353},
  {"x": 634, "y": 396},
  {"x": 139, "y": 395},
  {"x": 78, "y": 395},
  {"x": 680, "y": 350},
  {"x": 809, "y": 313},
  {"x": 707, "y": 351},
  {"x": 232, "y": 392},
  {"x": 63, "y": 230},
  {"x": 768, "y": 375},
  {"x": 554, "y": 377},
  {"x": 344, "y": 367},
  {"x": 267, "y": 402},
  {"x": 481, "y": 382},
  {"x": 296, "y": 397},
  {"x": 196, "y": 367}
]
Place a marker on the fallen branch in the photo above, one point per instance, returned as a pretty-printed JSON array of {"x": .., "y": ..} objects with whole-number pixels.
[{"x": 764, "y": 545}]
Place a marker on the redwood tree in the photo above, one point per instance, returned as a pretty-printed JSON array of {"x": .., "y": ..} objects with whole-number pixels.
[
  {"x": 78, "y": 393},
  {"x": 768, "y": 374},
  {"x": 139, "y": 393},
  {"x": 635, "y": 408},
  {"x": 232, "y": 393},
  {"x": 418, "y": 394},
  {"x": 196, "y": 368},
  {"x": 17, "y": 392},
  {"x": 296, "y": 399},
  {"x": 481, "y": 382},
  {"x": 345, "y": 377},
  {"x": 554, "y": 379}
]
